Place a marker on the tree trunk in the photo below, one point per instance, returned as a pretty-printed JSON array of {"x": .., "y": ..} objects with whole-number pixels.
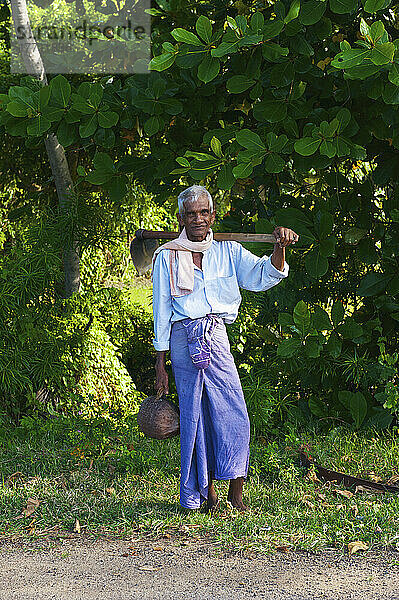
[{"x": 58, "y": 162}]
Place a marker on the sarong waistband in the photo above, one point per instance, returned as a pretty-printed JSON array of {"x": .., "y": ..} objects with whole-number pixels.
[{"x": 199, "y": 337}]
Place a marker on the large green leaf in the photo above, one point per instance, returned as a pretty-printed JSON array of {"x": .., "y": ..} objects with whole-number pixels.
[
  {"x": 117, "y": 188},
  {"x": 325, "y": 224},
  {"x": 38, "y": 125},
  {"x": 107, "y": 118},
  {"x": 372, "y": 6},
  {"x": 302, "y": 317},
  {"x": 293, "y": 11},
  {"x": 316, "y": 264},
  {"x": 390, "y": 94},
  {"x": 272, "y": 28},
  {"x": 88, "y": 126},
  {"x": 274, "y": 163},
  {"x": 382, "y": 54},
  {"x": 276, "y": 143},
  {"x": 337, "y": 312},
  {"x": 67, "y": 134},
  {"x": 250, "y": 140},
  {"x": 312, "y": 347},
  {"x": 311, "y": 12},
  {"x": 103, "y": 162},
  {"x": 257, "y": 21},
  {"x": 162, "y": 61},
  {"x": 243, "y": 170},
  {"x": 239, "y": 83},
  {"x": 17, "y": 109},
  {"x": 327, "y": 246},
  {"x": 272, "y": 111},
  {"x": 393, "y": 74},
  {"x": 60, "y": 90},
  {"x": 373, "y": 284},
  {"x": 288, "y": 348},
  {"x": 204, "y": 28},
  {"x": 226, "y": 179},
  {"x": 342, "y": 7},
  {"x": 307, "y": 146},
  {"x": 358, "y": 408},
  {"x": 293, "y": 217},
  {"x": 181, "y": 35},
  {"x": 208, "y": 69},
  {"x": 350, "y": 329},
  {"x": 317, "y": 406},
  {"x": 285, "y": 320},
  {"x": 151, "y": 125},
  {"x": 333, "y": 345},
  {"x": 354, "y": 235},
  {"x": 343, "y": 117},
  {"x": 52, "y": 113},
  {"x": 351, "y": 58},
  {"x": 273, "y": 52},
  {"x": 320, "y": 319},
  {"x": 282, "y": 74}
]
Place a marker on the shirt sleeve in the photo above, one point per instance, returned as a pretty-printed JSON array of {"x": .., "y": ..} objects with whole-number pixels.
[
  {"x": 161, "y": 302},
  {"x": 256, "y": 273}
]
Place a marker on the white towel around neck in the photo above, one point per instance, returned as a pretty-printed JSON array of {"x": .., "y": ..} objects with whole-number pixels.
[{"x": 182, "y": 248}]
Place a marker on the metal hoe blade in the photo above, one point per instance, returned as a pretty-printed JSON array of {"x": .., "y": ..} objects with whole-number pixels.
[{"x": 141, "y": 251}]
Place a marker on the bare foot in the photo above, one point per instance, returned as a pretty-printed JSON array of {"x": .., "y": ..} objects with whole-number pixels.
[
  {"x": 212, "y": 503},
  {"x": 237, "y": 503},
  {"x": 234, "y": 495}
]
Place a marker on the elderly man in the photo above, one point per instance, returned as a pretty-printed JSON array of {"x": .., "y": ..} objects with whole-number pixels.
[{"x": 196, "y": 291}]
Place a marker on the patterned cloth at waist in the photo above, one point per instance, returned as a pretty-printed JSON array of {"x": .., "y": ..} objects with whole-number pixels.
[{"x": 199, "y": 338}]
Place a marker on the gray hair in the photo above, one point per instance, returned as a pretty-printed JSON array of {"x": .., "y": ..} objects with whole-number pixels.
[{"x": 191, "y": 194}]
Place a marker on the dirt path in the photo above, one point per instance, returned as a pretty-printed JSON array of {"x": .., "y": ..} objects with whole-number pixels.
[{"x": 120, "y": 570}]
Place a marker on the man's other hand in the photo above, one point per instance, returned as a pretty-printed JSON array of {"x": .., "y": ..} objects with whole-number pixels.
[
  {"x": 285, "y": 236},
  {"x": 161, "y": 375}
]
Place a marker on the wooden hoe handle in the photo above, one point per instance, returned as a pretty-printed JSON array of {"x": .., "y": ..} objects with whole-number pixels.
[{"x": 268, "y": 238}]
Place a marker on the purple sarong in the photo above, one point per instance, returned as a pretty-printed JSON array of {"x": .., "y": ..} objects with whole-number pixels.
[{"x": 214, "y": 424}]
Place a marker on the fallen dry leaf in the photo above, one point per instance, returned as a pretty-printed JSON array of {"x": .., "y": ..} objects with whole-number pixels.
[
  {"x": 356, "y": 546},
  {"x": 76, "y": 527},
  {"x": 307, "y": 502},
  {"x": 158, "y": 548},
  {"x": 130, "y": 447},
  {"x": 11, "y": 479},
  {"x": 355, "y": 510},
  {"x": 345, "y": 493},
  {"x": 282, "y": 549},
  {"x": 110, "y": 490},
  {"x": 311, "y": 475},
  {"x": 361, "y": 489},
  {"x": 372, "y": 476},
  {"x": 31, "y": 506}
]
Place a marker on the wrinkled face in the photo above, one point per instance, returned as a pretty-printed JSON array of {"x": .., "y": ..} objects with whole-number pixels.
[{"x": 197, "y": 219}]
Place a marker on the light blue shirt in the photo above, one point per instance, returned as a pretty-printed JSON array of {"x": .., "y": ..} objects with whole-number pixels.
[{"x": 226, "y": 266}]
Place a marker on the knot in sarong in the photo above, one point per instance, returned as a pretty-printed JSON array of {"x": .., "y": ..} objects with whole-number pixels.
[{"x": 199, "y": 337}]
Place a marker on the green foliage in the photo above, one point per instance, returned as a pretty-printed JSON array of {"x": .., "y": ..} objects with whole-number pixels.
[
  {"x": 268, "y": 406},
  {"x": 341, "y": 367},
  {"x": 295, "y": 99},
  {"x": 59, "y": 354}
]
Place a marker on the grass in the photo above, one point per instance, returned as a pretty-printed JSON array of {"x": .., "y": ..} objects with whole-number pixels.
[{"x": 119, "y": 483}]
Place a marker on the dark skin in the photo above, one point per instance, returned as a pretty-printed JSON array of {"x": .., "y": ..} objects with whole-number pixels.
[{"x": 198, "y": 219}]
